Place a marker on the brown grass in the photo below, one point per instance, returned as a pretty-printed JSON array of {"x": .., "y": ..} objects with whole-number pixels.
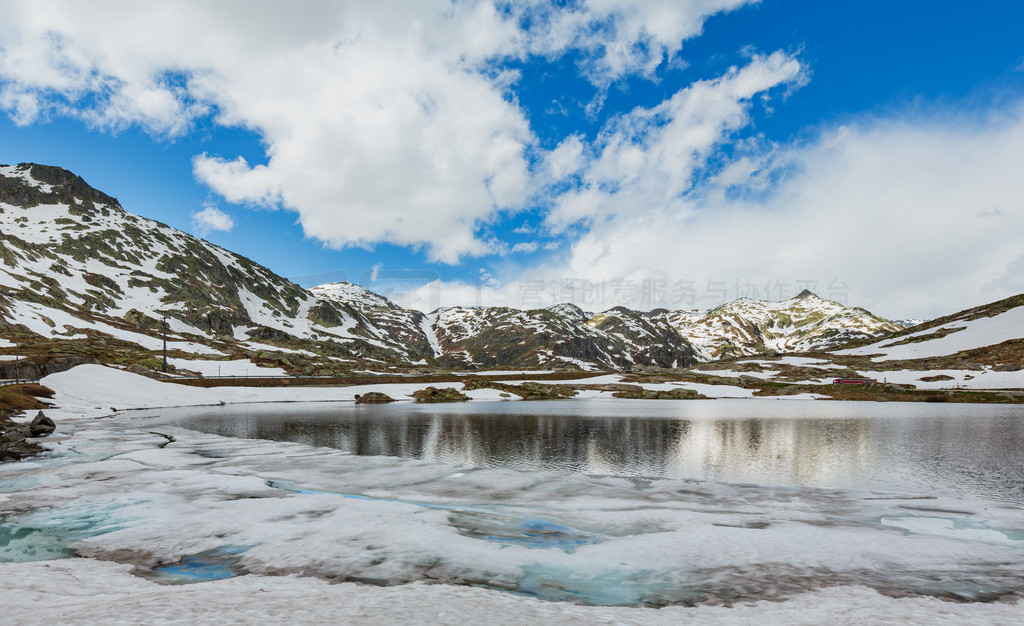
[{"x": 23, "y": 397}]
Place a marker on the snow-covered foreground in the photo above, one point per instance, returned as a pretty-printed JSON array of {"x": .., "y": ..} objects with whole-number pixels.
[
  {"x": 271, "y": 525},
  {"x": 99, "y": 592}
]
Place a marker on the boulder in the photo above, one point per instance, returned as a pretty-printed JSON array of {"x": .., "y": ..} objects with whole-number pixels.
[
  {"x": 142, "y": 370},
  {"x": 433, "y": 394},
  {"x": 15, "y": 444},
  {"x": 671, "y": 394},
  {"x": 14, "y": 435},
  {"x": 374, "y": 397},
  {"x": 41, "y": 425}
]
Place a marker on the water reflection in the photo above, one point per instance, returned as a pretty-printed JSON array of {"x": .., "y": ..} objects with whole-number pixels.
[{"x": 955, "y": 450}]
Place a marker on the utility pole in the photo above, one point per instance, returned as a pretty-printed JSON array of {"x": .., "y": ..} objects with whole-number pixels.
[
  {"x": 165, "y": 344},
  {"x": 17, "y": 364}
]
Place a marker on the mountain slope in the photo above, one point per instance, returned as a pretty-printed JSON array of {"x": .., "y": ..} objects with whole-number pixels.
[
  {"x": 558, "y": 335},
  {"x": 747, "y": 327},
  {"x": 74, "y": 265},
  {"x": 83, "y": 277},
  {"x": 991, "y": 333},
  {"x": 384, "y": 319}
]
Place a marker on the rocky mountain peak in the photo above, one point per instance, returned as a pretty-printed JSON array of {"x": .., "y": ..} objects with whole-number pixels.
[{"x": 32, "y": 184}]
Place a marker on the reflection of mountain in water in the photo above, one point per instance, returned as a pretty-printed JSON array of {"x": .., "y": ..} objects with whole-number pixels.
[
  {"x": 787, "y": 451},
  {"x": 800, "y": 451}
]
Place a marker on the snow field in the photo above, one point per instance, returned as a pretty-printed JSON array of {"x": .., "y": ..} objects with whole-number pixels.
[
  {"x": 984, "y": 331},
  {"x": 94, "y": 591}
]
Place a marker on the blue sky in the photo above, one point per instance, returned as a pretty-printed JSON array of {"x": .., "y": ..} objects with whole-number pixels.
[{"x": 652, "y": 154}]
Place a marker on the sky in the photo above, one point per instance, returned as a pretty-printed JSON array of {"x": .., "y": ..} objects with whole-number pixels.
[{"x": 657, "y": 154}]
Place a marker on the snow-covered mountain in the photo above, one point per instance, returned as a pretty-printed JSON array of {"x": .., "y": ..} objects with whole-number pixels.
[
  {"x": 620, "y": 337},
  {"x": 990, "y": 335},
  {"x": 500, "y": 337},
  {"x": 384, "y": 319},
  {"x": 556, "y": 335},
  {"x": 82, "y": 276},
  {"x": 746, "y": 327}
]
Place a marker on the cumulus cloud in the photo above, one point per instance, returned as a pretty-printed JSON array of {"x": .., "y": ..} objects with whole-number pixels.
[
  {"x": 910, "y": 217},
  {"x": 437, "y": 293},
  {"x": 406, "y": 130},
  {"x": 210, "y": 219},
  {"x": 649, "y": 157},
  {"x": 624, "y": 37},
  {"x": 383, "y": 122},
  {"x": 915, "y": 216}
]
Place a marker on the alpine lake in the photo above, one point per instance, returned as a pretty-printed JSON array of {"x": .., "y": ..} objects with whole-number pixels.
[{"x": 956, "y": 450}]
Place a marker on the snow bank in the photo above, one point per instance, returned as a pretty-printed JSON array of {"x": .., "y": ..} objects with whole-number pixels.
[
  {"x": 984, "y": 331},
  {"x": 961, "y": 379},
  {"x": 238, "y": 367},
  {"x": 93, "y": 591},
  {"x": 95, "y": 390}
]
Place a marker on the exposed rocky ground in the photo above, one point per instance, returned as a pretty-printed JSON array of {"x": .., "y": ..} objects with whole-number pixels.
[
  {"x": 747, "y": 327},
  {"x": 444, "y": 394},
  {"x": 374, "y": 397}
]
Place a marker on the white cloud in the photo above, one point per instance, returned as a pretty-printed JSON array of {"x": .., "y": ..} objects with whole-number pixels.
[
  {"x": 649, "y": 157},
  {"x": 915, "y": 216},
  {"x": 406, "y": 130},
  {"x": 909, "y": 218},
  {"x": 211, "y": 218},
  {"x": 525, "y": 247},
  {"x": 437, "y": 293},
  {"x": 383, "y": 122},
  {"x": 625, "y": 37}
]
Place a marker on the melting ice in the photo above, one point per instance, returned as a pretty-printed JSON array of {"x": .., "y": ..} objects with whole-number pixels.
[{"x": 208, "y": 506}]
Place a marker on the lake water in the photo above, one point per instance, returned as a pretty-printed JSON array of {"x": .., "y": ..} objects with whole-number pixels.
[{"x": 974, "y": 451}]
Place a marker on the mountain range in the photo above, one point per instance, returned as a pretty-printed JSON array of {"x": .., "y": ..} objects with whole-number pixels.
[{"x": 83, "y": 276}]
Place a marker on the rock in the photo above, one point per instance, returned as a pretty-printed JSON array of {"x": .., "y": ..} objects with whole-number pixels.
[
  {"x": 41, "y": 425},
  {"x": 527, "y": 391},
  {"x": 14, "y": 443},
  {"x": 142, "y": 371},
  {"x": 14, "y": 435},
  {"x": 374, "y": 397},
  {"x": 16, "y": 451},
  {"x": 672, "y": 394},
  {"x": 433, "y": 394}
]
